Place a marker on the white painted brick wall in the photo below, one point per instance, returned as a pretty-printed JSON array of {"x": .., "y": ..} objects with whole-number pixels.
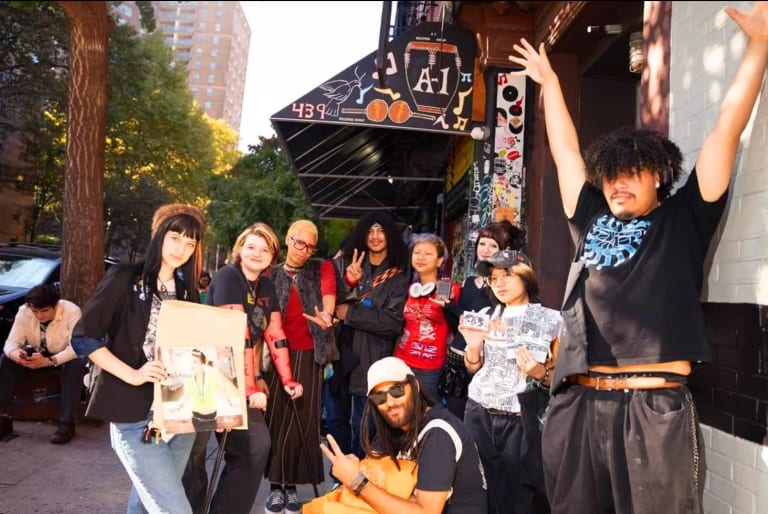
[{"x": 706, "y": 49}]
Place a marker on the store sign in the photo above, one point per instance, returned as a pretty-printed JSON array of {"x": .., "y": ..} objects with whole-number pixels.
[{"x": 428, "y": 85}]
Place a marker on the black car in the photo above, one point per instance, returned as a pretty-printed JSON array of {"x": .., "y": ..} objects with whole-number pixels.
[{"x": 22, "y": 267}]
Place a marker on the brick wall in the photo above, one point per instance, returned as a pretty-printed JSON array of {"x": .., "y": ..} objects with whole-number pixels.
[{"x": 731, "y": 393}]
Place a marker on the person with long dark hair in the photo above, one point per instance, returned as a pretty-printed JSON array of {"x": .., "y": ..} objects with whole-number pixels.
[
  {"x": 409, "y": 424},
  {"x": 371, "y": 292},
  {"x": 117, "y": 333}
]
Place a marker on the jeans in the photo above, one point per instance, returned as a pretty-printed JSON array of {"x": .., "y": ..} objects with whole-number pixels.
[
  {"x": 636, "y": 451},
  {"x": 356, "y": 422},
  {"x": 155, "y": 469},
  {"x": 71, "y": 386},
  {"x": 337, "y": 418},
  {"x": 428, "y": 380},
  {"x": 245, "y": 458}
]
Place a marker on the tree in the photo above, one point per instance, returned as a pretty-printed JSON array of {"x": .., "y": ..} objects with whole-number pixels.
[
  {"x": 260, "y": 187},
  {"x": 82, "y": 255}
]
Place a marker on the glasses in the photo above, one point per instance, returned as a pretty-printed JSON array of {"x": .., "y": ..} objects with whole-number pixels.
[
  {"x": 498, "y": 279},
  {"x": 302, "y": 245},
  {"x": 395, "y": 391}
]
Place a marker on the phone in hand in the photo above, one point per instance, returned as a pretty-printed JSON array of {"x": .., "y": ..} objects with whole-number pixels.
[
  {"x": 29, "y": 349},
  {"x": 443, "y": 292}
]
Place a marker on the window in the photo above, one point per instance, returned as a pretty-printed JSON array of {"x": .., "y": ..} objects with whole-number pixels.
[
  {"x": 214, "y": 52},
  {"x": 198, "y": 51},
  {"x": 217, "y": 27},
  {"x": 207, "y": 105},
  {"x": 197, "y": 65},
  {"x": 219, "y": 14},
  {"x": 194, "y": 91},
  {"x": 209, "y": 92},
  {"x": 201, "y": 39},
  {"x": 215, "y": 40},
  {"x": 201, "y": 25},
  {"x": 212, "y": 66},
  {"x": 196, "y": 77},
  {"x": 211, "y": 78}
]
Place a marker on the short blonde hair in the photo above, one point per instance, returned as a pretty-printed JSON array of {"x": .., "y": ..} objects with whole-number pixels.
[
  {"x": 258, "y": 229},
  {"x": 301, "y": 225}
]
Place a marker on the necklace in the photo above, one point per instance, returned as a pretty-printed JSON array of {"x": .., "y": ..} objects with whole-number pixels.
[
  {"x": 166, "y": 285},
  {"x": 200, "y": 388},
  {"x": 252, "y": 286},
  {"x": 292, "y": 269}
]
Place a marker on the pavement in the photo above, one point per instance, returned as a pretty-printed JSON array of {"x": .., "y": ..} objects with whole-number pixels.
[{"x": 81, "y": 477}]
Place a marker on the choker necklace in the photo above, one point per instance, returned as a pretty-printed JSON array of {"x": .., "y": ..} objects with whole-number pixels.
[{"x": 292, "y": 269}]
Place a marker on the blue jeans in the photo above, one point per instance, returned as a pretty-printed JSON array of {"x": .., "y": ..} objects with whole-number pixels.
[
  {"x": 356, "y": 422},
  {"x": 428, "y": 380},
  {"x": 155, "y": 469}
]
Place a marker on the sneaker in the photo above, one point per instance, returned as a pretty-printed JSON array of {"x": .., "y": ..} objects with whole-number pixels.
[
  {"x": 275, "y": 502},
  {"x": 63, "y": 434},
  {"x": 292, "y": 505}
]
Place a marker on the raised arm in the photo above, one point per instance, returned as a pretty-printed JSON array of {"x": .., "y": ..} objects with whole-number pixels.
[
  {"x": 561, "y": 132},
  {"x": 714, "y": 164}
]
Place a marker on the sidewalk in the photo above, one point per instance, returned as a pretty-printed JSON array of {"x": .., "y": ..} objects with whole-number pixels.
[{"x": 82, "y": 477}]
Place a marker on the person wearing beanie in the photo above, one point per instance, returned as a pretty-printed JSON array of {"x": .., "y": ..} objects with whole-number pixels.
[
  {"x": 117, "y": 333},
  {"x": 450, "y": 477}
]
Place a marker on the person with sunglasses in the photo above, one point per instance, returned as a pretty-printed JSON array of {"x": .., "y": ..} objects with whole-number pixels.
[
  {"x": 306, "y": 292},
  {"x": 450, "y": 477},
  {"x": 510, "y": 357}
]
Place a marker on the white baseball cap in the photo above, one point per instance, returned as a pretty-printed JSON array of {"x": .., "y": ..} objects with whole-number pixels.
[{"x": 388, "y": 369}]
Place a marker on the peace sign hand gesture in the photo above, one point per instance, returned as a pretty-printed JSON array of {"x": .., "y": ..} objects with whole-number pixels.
[{"x": 355, "y": 268}]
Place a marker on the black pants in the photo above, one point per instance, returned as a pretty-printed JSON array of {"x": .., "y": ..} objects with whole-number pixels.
[
  {"x": 500, "y": 441},
  {"x": 71, "y": 385},
  {"x": 245, "y": 457},
  {"x": 637, "y": 452}
]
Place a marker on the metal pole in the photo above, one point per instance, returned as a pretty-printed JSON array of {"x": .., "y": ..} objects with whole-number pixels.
[{"x": 215, "y": 474}]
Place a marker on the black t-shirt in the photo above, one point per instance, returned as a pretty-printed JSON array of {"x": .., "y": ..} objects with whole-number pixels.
[
  {"x": 471, "y": 298},
  {"x": 642, "y": 278},
  {"x": 439, "y": 471},
  {"x": 230, "y": 287}
]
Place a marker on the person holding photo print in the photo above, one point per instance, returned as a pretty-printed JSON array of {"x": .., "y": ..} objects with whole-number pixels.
[
  {"x": 117, "y": 333},
  {"x": 244, "y": 286},
  {"x": 509, "y": 357}
]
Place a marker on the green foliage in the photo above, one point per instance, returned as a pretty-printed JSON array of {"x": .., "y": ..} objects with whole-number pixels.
[{"x": 260, "y": 187}]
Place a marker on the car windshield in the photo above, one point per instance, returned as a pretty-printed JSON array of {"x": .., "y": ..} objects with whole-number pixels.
[{"x": 18, "y": 271}]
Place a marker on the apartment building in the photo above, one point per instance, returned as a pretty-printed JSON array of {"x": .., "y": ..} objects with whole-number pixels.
[{"x": 211, "y": 39}]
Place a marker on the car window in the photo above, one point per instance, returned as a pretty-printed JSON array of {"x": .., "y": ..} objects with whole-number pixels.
[{"x": 25, "y": 271}]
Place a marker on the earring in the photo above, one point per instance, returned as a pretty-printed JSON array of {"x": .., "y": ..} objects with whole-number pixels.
[{"x": 657, "y": 185}]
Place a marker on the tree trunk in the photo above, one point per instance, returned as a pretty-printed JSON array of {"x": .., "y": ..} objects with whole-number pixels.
[{"x": 82, "y": 230}]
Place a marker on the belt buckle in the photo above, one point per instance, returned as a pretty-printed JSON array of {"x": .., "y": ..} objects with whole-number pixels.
[{"x": 597, "y": 384}]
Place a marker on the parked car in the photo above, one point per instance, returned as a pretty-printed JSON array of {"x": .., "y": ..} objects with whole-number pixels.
[{"x": 22, "y": 267}]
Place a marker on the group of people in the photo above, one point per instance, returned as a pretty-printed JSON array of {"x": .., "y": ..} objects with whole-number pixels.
[{"x": 503, "y": 404}]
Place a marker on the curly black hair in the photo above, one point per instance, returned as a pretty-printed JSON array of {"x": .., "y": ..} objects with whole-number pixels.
[{"x": 632, "y": 150}]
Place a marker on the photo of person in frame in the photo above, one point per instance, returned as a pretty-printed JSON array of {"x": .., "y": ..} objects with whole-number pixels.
[{"x": 201, "y": 392}]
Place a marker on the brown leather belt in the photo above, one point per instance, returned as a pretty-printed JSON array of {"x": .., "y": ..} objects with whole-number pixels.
[{"x": 618, "y": 383}]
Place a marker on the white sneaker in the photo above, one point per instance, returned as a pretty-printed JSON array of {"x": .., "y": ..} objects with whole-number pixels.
[{"x": 275, "y": 502}]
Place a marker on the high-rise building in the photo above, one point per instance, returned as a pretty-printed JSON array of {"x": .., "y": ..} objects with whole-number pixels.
[{"x": 211, "y": 39}]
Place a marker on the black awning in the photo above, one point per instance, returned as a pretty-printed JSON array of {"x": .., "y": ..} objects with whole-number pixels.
[{"x": 360, "y": 142}]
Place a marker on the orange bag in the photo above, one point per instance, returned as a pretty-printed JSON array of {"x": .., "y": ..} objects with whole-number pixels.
[{"x": 380, "y": 471}]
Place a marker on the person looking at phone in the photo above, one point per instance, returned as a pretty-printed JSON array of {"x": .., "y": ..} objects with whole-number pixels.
[
  {"x": 39, "y": 339},
  {"x": 424, "y": 341}
]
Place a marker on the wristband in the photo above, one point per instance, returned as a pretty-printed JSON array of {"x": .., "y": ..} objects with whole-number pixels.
[
  {"x": 358, "y": 483},
  {"x": 281, "y": 343},
  {"x": 258, "y": 377}
]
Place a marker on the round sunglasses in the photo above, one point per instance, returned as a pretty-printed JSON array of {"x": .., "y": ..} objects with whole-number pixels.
[{"x": 395, "y": 391}]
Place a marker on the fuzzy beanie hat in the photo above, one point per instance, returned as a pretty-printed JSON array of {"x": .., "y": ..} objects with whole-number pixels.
[{"x": 175, "y": 209}]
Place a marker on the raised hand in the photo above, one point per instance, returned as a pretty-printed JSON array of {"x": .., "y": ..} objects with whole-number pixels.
[
  {"x": 536, "y": 64},
  {"x": 754, "y": 23},
  {"x": 345, "y": 467},
  {"x": 355, "y": 268}
]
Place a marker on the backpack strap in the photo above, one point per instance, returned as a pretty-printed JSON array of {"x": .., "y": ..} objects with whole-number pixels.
[{"x": 444, "y": 425}]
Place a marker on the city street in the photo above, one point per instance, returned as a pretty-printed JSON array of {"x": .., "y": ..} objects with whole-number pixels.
[{"x": 82, "y": 477}]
